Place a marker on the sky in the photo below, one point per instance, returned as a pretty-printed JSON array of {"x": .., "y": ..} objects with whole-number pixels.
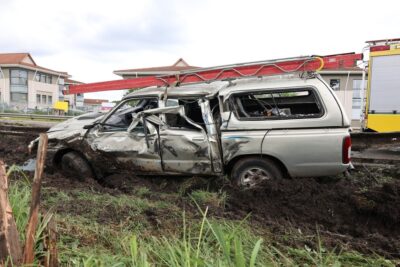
[{"x": 90, "y": 39}]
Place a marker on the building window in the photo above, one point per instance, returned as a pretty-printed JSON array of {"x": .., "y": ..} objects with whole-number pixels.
[
  {"x": 357, "y": 100},
  {"x": 19, "y": 97},
  {"x": 61, "y": 88},
  {"x": 44, "y": 99},
  {"x": 334, "y": 84},
  {"x": 19, "y": 85},
  {"x": 43, "y": 78}
]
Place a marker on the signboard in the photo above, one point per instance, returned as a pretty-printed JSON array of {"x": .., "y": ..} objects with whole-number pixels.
[{"x": 61, "y": 105}]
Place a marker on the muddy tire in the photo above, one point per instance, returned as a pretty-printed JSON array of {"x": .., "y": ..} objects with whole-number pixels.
[
  {"x": 75, "y": 166},
  {"x": 249, "y": 173}
]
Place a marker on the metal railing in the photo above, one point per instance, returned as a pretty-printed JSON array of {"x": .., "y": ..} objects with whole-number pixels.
[{"x": 34, "y": 116}]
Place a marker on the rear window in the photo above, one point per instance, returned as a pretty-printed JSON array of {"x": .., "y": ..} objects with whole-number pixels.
[{"x": 277, "y": 104}]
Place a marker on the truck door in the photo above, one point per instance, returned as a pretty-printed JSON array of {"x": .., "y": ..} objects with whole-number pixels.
[
  {"x": 122, "y": 142},
  {"x": 184, "y": 145}
]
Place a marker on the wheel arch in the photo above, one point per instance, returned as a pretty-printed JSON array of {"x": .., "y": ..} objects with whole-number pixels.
[
  {"x": 60, "y": 153},
  {"x": 279, "y": 163}
]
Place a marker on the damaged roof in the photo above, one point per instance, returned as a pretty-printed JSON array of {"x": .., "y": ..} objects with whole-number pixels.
[
  {"x": 199, "y": 89},
  {"x": 223, "y": 87}
]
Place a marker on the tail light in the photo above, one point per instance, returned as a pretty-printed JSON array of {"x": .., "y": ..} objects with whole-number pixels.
[{"x": 346, "y": 152}]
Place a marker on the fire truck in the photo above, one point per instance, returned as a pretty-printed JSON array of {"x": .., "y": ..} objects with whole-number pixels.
[{"x": 381, "y": 112}]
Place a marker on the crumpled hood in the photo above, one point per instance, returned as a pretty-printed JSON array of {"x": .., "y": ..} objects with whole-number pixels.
[
  {"x": 73, "y": 126},
  {"x": 70, "y": 128}
]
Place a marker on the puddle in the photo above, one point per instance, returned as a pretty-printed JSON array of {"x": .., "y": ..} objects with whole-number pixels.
[{"x": 29, "y": 165}]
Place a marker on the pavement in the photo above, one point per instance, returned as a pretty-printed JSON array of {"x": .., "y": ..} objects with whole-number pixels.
[{"x": 33, "y": 123}]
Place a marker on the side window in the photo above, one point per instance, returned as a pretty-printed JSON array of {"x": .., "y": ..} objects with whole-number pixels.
[
  {"x": 278, "y": 104},
  {"x": 192, "y": 111},
  {"x": 139, "y": 128},
  {"x": 335, "y": 84},
  {"x": 177, "y": 121}
]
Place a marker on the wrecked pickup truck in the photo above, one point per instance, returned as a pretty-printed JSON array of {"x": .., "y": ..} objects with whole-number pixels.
[{"x": 250, "y": 129}]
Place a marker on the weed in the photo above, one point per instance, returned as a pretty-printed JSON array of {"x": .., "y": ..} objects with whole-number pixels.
[
  {"x": 19, "y": 195},
  {"x": 211, "y": 199},
  {"x": 142, "y": 191}
]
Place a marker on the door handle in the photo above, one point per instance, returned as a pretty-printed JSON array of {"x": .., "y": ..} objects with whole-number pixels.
[{"x": 197, "y": 139}]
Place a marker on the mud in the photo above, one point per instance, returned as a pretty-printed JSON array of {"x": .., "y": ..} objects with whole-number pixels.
[
  {"x": 360, "y": 212},
  {"x": 364, "y": 217},
  {"x": 14, "y": 149}
]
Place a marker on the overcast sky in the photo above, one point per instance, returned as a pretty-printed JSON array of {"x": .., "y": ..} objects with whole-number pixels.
[{"x": 90, "y": 39}]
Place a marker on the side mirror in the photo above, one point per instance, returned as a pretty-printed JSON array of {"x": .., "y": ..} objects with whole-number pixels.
[{"x": 88, "y": 126}]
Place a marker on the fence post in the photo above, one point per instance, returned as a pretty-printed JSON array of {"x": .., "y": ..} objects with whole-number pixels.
[
  {"x": 34, "y": 211},
  {"x": 50, "y": 245},
  {"x": 10, "y": 248}
]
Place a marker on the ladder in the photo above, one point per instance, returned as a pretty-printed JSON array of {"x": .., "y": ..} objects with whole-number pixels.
[{"x": 241, "y": 70}]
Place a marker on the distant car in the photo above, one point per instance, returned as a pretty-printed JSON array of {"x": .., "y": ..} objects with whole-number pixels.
[{"x": 249, "y": 129}]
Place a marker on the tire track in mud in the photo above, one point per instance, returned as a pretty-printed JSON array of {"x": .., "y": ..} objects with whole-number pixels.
[{"x": 365, "y": 217}]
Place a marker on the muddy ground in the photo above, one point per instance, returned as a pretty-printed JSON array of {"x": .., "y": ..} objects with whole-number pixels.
[{"x": 360, "y": 212}]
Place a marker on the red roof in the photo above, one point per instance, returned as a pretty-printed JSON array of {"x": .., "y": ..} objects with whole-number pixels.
[
  {"x": 179, "y": 65},
  {"x": 18, "y": 59},
  {"x": 14, "y": 58}
]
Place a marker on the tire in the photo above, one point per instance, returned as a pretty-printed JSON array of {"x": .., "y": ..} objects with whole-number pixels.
[
  {"x": 73, "y": 165},
  {"x": 251, "y": 172}
]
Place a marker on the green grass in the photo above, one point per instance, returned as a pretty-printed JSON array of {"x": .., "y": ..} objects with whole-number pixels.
[
  {"x": 145, "y": 231},
  {"x": 209, "y": 199},
  {"x": 19, "y": 195}
]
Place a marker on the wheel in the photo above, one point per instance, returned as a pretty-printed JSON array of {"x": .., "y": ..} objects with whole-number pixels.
[
  {"x": 251, "y": 172},
  {"x": 73, "y": 165}
]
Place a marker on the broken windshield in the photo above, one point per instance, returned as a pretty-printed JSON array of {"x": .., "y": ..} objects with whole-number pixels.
[{"x": 121, "y": 117}]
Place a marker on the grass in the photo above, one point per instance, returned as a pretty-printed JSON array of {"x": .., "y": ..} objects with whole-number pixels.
[
  {"x": 100, "y": 229},
  {"x": 209, "y": 199},
  {"x": 20, "y": 196}
]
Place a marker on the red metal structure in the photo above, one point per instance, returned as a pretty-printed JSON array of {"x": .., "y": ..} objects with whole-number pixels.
[{"x": 242, "y": 70}]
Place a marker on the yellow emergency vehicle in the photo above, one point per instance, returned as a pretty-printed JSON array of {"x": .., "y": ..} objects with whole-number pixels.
[{"x": 382, "y": 106}]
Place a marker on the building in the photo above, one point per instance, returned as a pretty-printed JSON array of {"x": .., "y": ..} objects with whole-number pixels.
[
  {"x": 179, "y": 65},
  {"x": 75, "y": 100},
  {"x": 26, "y": 85},
  {"x": 347, "y": 85}
]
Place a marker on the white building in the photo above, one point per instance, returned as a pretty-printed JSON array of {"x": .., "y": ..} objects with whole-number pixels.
[
  {"x": 25, "y": 85},
  {"x": 75, "y": 100},
  {"x": 347, "y": 84}
]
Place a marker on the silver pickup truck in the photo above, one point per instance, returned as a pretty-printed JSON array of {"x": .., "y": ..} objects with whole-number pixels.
[{"x": 250, "y": 129}]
